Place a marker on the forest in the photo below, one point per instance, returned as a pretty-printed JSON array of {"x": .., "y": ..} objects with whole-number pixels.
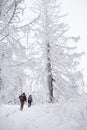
[{"x": 36, "y": 55}]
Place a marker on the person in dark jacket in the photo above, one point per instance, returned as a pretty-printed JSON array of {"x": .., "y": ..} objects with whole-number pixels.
[
  {"x": 29, "y": 100},
  {"x": 22, "y": 100}
]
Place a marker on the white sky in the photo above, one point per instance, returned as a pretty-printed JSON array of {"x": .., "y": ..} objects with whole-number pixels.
[{"x": 77, "y": 20}]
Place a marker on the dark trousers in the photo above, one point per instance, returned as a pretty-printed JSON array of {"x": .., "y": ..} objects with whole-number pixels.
[
  {"x": 22, "y": 105},
  {"x": 29, "y": 103}
]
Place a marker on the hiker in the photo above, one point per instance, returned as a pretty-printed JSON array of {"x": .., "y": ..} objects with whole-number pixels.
[
  {"x": 22, "y": 100},
  {"x": 29, "y": 100}
]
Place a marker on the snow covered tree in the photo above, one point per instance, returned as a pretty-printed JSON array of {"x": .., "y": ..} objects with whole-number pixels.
[
  {"x": 9, "y": 46},
  {"x": 13, "y": 50},
  {"x": 8, "y": 10},
  {"x": 60, "y": 58}
]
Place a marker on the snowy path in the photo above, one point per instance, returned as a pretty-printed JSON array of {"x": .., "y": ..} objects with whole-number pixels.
[{"x": 38, "y": 117}]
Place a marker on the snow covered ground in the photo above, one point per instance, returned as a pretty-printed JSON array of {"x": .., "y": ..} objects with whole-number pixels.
[{"x": 70, "y": 115}]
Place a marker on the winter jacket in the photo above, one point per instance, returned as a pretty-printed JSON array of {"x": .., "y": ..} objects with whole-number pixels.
[
  {"x": 30, "y": 99},
  {"x": 22, "y": 97}
]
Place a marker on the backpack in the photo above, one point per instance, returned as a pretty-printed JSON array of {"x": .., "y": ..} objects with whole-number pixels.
[
  {"x": 29, "y": 98},
  {"x": 22, "y": 98}
]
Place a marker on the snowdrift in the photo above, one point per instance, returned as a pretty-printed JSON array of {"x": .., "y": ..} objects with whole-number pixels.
[{"x": 66, "y": 115}]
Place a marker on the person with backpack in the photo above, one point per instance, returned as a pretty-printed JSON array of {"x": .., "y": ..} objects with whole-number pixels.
[
  {"x": 29, "y": 100},
  {"x": 22, "y": 100}
]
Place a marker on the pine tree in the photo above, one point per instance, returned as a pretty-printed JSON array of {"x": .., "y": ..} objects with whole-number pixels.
[{"x": 60, "y": 58}]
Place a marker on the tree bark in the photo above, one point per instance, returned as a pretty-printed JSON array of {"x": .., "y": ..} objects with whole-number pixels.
[{"x": 50, "y": 78}]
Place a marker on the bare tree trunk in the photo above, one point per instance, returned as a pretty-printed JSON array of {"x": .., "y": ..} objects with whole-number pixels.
[{"x": 50, "y": 78}]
